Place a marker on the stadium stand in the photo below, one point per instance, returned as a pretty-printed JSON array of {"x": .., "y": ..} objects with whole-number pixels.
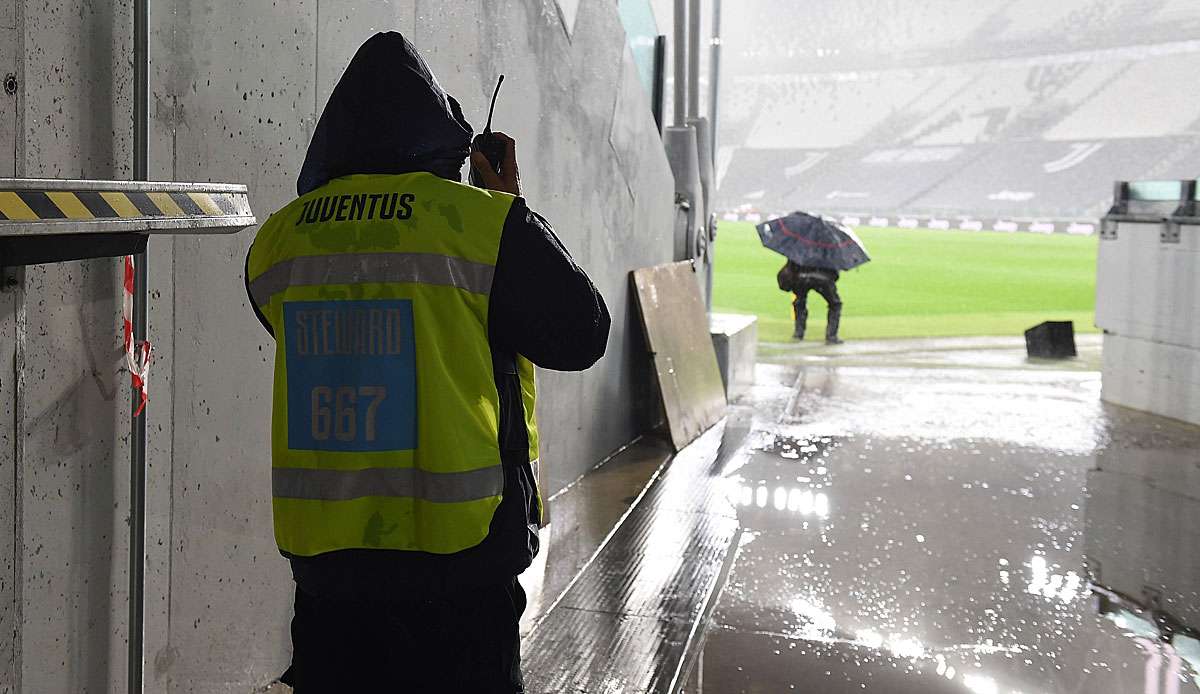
[
  {"x": 842, "y": 181},
  {"x": 1150, "y": 99},
  {"x": 828, "y": 113},
  {"x": 846, "y": 30},
  {"x": 1016, "y": 109},
  {"x": 1179, "y": 12},
  {"x": 1032, "y": 19},
  {"x": 1055, "y": 180},
  {"x": 977, "y": 113}
]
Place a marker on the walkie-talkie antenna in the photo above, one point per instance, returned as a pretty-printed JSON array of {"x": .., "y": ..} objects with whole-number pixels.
[{"x": 492, "y": 110}]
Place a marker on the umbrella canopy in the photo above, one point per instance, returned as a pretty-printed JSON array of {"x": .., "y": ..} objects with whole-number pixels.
[{"x": 814, "y": 241}]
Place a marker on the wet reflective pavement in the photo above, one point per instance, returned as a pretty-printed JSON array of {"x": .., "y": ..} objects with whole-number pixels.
[
  {"x": 931, "y": 530},
  {"x": 887, "y": 522}
]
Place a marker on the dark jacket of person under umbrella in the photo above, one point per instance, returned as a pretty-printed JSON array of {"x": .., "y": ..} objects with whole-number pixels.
[{"x": 800, "y": 279}]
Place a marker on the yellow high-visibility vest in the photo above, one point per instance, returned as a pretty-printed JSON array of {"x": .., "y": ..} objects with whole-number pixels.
[{"x": 385, "y": 417}]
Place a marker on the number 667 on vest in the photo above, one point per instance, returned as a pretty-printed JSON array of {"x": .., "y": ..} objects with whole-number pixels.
[{"x": 351, "y": 375}]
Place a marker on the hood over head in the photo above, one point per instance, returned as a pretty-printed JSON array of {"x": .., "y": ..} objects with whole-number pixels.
[{"x": 387, "y": 115}]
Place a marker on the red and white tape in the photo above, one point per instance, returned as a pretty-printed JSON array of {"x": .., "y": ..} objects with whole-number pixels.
[{"x": 137, "y": 359}]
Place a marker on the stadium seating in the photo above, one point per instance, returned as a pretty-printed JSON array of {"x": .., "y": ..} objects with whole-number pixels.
[
  {"x": 1009, "y": 109},
  {"x": 1032, "y": 19},
  {"x": 1151, "y": 98},
  {"x": 1177, "y": 12},
  {"x": 833, "y": 113},
  {"x": 834, "y": 30},
  {"x": 1056, "y": 180}
]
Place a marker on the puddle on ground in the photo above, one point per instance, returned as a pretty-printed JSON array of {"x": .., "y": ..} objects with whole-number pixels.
[{"x": 996, "y": 532}]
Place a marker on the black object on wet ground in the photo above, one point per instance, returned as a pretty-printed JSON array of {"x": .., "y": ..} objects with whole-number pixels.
[{"x": 1051, "y": 340}]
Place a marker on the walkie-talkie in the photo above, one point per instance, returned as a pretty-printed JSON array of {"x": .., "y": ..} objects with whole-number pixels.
[{"x": 492, "y": 147}]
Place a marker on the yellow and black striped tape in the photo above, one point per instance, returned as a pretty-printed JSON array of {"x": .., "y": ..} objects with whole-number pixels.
[{"x": 31, "y": 206}]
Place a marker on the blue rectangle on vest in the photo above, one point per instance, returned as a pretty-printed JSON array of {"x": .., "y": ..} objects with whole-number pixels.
[{"x": 351, "y": 375}]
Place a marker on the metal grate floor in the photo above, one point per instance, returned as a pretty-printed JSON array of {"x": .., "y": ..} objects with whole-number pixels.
[{"x": 627, "y": 622}]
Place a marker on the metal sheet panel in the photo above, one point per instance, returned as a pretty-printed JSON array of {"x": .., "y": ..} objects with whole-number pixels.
[{"x": 676, "y": 326}]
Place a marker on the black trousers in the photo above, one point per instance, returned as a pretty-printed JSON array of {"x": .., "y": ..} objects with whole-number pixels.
[
  {"x": 467, "y": 643},
  {"x": 828, "y": 291}
]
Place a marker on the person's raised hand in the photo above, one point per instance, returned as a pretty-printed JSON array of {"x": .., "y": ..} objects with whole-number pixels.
[{"x": 509, "y": 178}]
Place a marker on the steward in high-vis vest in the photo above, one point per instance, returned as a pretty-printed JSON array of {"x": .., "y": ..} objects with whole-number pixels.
[{"x": 408, "y": 311}]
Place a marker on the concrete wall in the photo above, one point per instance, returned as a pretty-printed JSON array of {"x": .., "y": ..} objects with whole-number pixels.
[
  {"x": 1147, "y": 300},
  {"x": 66, "y": 424},
  {"x": 236, "y": 89},
  {"x": 9, "y": 578}
]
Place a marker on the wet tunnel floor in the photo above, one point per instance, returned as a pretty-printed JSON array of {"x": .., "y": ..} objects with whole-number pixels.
[{"x": 928, "y": 527}]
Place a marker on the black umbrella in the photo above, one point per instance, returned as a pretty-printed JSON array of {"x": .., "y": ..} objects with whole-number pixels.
[{"x": 814, "y": 241}]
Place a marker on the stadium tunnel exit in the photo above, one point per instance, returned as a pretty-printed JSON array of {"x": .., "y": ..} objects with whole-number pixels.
[{"x": 720, "y": 515}]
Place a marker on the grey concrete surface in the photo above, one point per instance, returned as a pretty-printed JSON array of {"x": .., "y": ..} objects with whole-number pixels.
[
  {"x": 1147, "y": 300},
  {"x": 235, "y": 93},
  {"x": 1153, "y": 376},
  {"x": 559, "y": 100},
  {"x": 1147, "y": 288},
  {"x": 735, "y": 340},
  {"x": 10, "y": 496},
  {"x": 69, "y": 430},
  {"x": 9, "y": 51},
  {"x": 217, "y": 618}
]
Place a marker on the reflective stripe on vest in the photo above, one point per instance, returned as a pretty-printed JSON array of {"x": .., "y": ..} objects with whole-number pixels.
[
  {"x": 385, "y": 427},
  {"x": 340, "y": 485},
  {"x": 356, "y": 268}
]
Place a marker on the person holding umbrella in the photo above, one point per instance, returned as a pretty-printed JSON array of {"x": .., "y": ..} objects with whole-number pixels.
[
  {"x": 817, "y": 249},
  {"x": 800, "y": 280}
]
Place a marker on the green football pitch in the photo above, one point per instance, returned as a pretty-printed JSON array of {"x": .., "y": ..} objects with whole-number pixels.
[{"x": 920, "y": 283}]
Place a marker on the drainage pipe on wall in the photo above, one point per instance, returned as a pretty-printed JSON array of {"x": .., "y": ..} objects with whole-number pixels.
[
  {"x": 693, "y": 60},
  {"x": 657, "y": 103},
  {"x": 137, "y": 438},
  {"x": 680, "y": 66},
  {"x": 714, "y": 74}
]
